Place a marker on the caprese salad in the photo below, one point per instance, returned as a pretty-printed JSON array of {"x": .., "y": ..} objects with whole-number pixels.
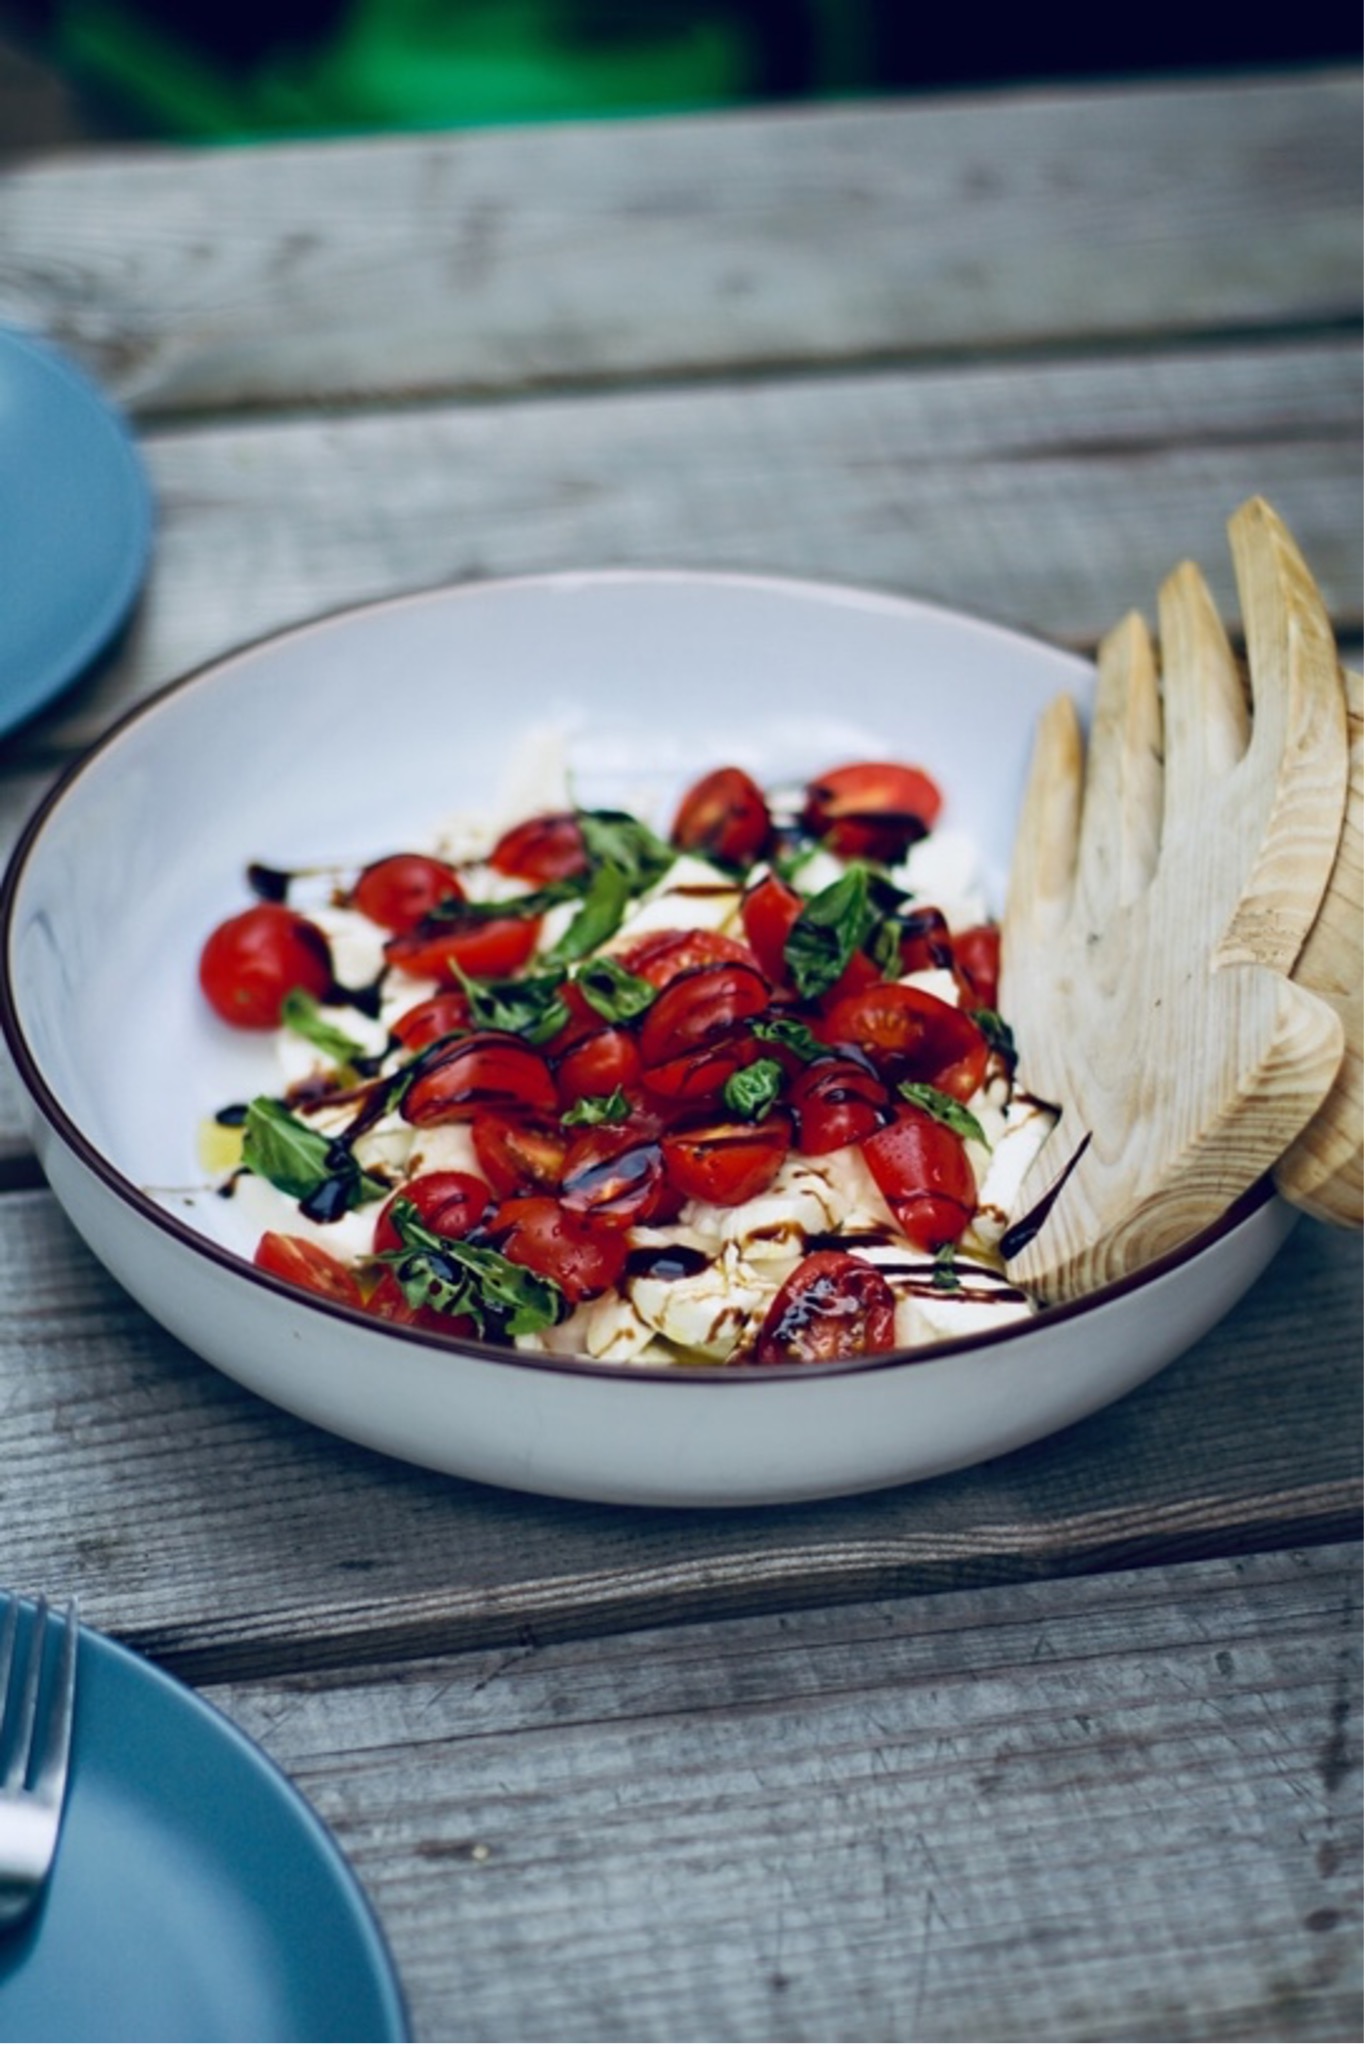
[{"x": 732, "y": 1092}]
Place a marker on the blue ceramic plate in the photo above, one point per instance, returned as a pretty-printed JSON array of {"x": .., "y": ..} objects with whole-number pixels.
[
  {"x": 195, "y": 1895},
  {"x": 75, "y": 524}
]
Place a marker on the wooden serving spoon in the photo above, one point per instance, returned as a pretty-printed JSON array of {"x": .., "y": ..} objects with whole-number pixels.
[{"x": 1164, "y": 884}]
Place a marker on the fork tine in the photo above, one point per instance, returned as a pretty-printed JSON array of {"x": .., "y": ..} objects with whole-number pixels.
[
  {"x": 1123, "y": 779},
  {"x": 55, "y": 1751},
  {"x": 28, "y": 1699}
]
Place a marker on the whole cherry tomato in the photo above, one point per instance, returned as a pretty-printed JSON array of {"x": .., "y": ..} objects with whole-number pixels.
[
  {"x": 487, "y": 1070},
  {"x": 661, "y": 956},
  {"x": 726, "y": 1163},
  {"x": 518, "y": 1155},
  {"x": 871, "y": 810},
  {"x": 924, "y": 1175},
  {"x": 306, "y": 1264},
  {"x": 545, "y": 848},
  {"x": 436, "y": 1018},
  {"x": 404, "y": 888},
  {"x": 485, "y": 948},
  {"x": 724, "y": 817},
  {"x": 698, "y": 1007},
  {"x": 978, "y": 953},
  {"x": 912, "y": 1035},
  {"x": 598, "y": 1064},
  {"x": 582, "y": 1256},
  {"x": 836, "y": 1102},
  {"x": 253, "y": 960},
  {"x": 449, "y": 1203},
  {"x": 769, "y": 912},
  {"x": 832, "y": 1306}
]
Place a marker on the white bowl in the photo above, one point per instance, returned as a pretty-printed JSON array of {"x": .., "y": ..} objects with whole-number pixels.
[{"x": 350, "y": 736}]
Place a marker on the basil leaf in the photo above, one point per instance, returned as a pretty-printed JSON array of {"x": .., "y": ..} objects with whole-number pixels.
[
  {"x": 827, "y": 933},
  {"x": 884, "y": 946},
  {"x": 592, "y": 1109},
  {"x": 300, "y": 1013},
  {"x": 616, "y": 994},
  {"x": 460, "y": 910},
  {"x": 598, "y": 916},
  {"x": 998, "y": 1034},
  {"x": 945, "y": 1109},
  {"x": 303, "y": 1163},
  {"x": 532, "y": 1007},
  {"x": 753, "y": 1090},
  {"x": 790, "y": 1032},
  {"x": 460, "y": 1278},
  {"x": 944, "y": 1277},
  {"x": 614, "y": 838}
]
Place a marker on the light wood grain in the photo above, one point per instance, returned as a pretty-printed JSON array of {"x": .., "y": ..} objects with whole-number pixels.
[
  {"x": 497, "y": 260},
  {"x": 1128, "y": 1809},
  {"x": 1162, "y": 892}
]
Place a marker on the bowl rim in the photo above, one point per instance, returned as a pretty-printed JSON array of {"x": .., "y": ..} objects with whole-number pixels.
[{"x": 147, "y": 1210}]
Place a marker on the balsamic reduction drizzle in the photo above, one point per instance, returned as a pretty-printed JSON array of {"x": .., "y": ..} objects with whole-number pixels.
[{"x": 1020, "y": 1234}]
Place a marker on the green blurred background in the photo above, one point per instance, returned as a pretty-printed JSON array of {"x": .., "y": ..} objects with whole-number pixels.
[{"x": 225, "y": 72}]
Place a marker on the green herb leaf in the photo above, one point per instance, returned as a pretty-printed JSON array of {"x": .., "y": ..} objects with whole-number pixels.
[
  {"x": 884, "y": 946},
  {"x": 753, "y": 1090},
  {"x": 531, "y": 1006},
  {"x": 460, "y": 910},
  {"x": 944, "y": 1277},
  {"x": 502, "y": 1297},
  {"x": 598, "y": 916},
  {"x": 614, "y": 838},
  {"x": 791, "y": 1032},
  {"x": 945, "y": 1109},
  {"x": 998, "y": 1034},
  {"x": 616, "y": 994},
  {"x": 591, "y": 1109},
  {"x": 827, "y": 933},
  {"x": 303, "y": 1163},
  {"x": 300, "y": 1013}
]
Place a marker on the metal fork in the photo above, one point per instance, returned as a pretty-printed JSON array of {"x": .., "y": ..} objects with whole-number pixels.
[{"x": 34, "y": 1748}]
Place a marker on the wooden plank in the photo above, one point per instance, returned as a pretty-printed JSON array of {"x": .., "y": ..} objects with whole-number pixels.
[
  {"x": 225, "y": 1537},
  {"x": 1049, "y": 496},
  {"x": 1122, "y": 1810},
  {"x": 499, "y": 259}
]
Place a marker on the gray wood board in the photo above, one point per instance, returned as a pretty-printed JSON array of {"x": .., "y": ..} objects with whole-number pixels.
[
  {"x": 225, "y": 1537},
  {"x": 484, "y": 261},
  {"x": 1125, "y": 1809},
  {"x": 1050, "y": 497}
]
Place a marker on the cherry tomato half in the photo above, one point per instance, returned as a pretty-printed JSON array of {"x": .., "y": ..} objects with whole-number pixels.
[
  {"x": 404, "y": 888},
  {"x": 924, "y": 1175},
  {"x": 487, "y": 1070},
  {"x": 871, "y": 810},
  {"x": 833, "y": 1305},
  {"x": 837, "y": 1102},
  {"x": 252, "y": 961},
  {"x": 389, "y": 1303},
  {"x": 978, "y": 954},
  {"x": 726, "y": 1163},
  {"x": 597, "y": 1064},
  {"x": 912, "y": 1035},
  {"x": 545, "y": 848},
  {"x": 583, "y": 1256},
  {"x": 769, "y": 912},
  {"x": 661, "y": 956},
  {"x": 485, "y": 948},
  {"x": 449, "y": 1203},
  {"x": 699, "y": 1006},
  {"x": 427, "y": 1021},
  {"x": 517, "y": 1155},
  {"x": 724, "y": 817},
  {"x": 616, "y": 1173},
  {"x": 306, "y": 1264}
]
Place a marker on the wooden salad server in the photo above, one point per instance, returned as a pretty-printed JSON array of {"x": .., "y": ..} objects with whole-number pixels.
[{"x": 1165, "y": 881}]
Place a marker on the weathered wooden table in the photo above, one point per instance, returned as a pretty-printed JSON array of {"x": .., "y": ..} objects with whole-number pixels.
[{"x": 1062, "y": 1748}]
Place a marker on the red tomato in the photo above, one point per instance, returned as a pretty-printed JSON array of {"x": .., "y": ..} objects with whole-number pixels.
[
  {"x": 486, "y": 948},
  {"x": 517, "y": 1156},
  {"x": 699, "y": 1006},
  {"x": 401, "y": 890},
  {"x": 583, "y": 1019},
  {"x": 388, "y": 1301},
  {"x": 616, "y": 1173},
  {"x": 660, "y": 956},
  {"x": 427, "y": 1021},
  {"x": 871, "y": 810},
  {"x": 978, "y": 954},
  {"x": 700, "y": 1076},
  {"x": 913, "y": 1035},
  {"x": 584, "y": 1257},
  {"x": 724, "y": 817},
  {"x": 449, "y": 1203},
  {"x": 924, "y": 1175},
  {"x": 252, "y": 961},
  {"x": 768, "y": 913},
  {"x": 726, "y": 1163},
  {"x": 545, "y": 848},
  {"x": 306, "y": 1264},
  {"x": 925, "y": 941},
  {"x": 834, "y": 1305},
  {"x": 488, "y": 1070},
  {"x": 837, "y": 1101},
  {"x": 597, "y": 1064}
]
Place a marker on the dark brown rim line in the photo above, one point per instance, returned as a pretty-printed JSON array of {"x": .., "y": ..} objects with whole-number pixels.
[{"x": 73, "y": 1137}]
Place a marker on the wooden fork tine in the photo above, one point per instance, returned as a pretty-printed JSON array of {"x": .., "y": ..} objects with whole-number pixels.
[
  {"x": 1042, "y": 879},
  {"x": 1123, "y": 784}
]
